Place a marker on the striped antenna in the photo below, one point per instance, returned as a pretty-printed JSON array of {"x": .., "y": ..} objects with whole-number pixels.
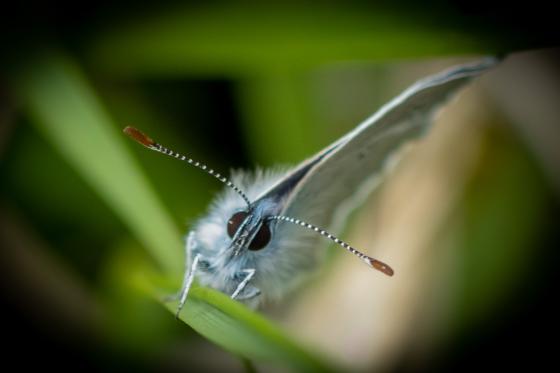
[
  {"x": 143, "y": 139},
  {"x": 374, "y": 263}
]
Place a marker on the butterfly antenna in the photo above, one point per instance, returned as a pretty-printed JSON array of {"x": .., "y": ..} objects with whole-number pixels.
[
  {"x": 374, "y": 263},
  {"x": 143, "y": 139}
]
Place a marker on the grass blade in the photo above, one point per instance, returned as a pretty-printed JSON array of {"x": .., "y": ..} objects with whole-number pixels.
[
  {"x": 234, "y": 40},
  {"x": 56, "y": 95},
  {"x": 64, "y": 108}
]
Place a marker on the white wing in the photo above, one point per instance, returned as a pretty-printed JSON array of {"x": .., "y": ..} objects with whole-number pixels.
[{"x": 316, "y": 188}]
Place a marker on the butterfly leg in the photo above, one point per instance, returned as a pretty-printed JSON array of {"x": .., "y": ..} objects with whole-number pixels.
[
  {"x": 250, "y": 296},
  {"x": 187, "y": 282},
  {"x": 249, "y": 293},
  {"x": 189, "y": 274},
  {"x": 249, "y": 273}
]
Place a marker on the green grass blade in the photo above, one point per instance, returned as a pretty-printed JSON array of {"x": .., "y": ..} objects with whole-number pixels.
[
  {"x": 504, "y": 208},
  {"x": 64, "y": 107},
  {"x": 276, "y": 117},
  {"x": 235, "y": 40},
  {"x": 57, "y": 97},
  {"x": 225, "y": 322},
  {"x": 237, "y": 329}
]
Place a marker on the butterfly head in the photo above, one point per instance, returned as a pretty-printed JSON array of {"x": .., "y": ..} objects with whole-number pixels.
[{"x": 251, "y": 229}]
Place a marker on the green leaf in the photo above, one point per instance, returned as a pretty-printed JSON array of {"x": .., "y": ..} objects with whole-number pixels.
[
  {"x": 225, "y": 322},
  {"x": 234, "y": 327},
  {"x": 235, "y": 40},
  {"x": 503, "y": 211},
  {"x": 280, "y": 101},
  {"x": 64, "y": 107}
]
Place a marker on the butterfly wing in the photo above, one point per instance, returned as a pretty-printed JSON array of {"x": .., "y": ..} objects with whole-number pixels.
[{"x": 351, "y": 166}]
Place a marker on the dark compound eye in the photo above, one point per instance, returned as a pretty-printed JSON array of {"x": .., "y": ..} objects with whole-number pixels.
[
  {"x": 234, "y": 222},
  {"x": 261, "y": 239}
]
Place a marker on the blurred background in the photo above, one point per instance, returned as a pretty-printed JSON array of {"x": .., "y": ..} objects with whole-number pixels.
[{"x": 468, "y": 219}]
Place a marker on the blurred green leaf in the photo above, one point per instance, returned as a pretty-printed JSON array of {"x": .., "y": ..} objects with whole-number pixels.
[
  {"x": 232, "y": 40},
  {"x": 64, "y": 107},
  {"x": 239, "y": 330},
  {"x": 225, "y": 322},
  {"x": 503, "y": 208},
  {"x": 177, "y": 182},
  {"x": 234, "y": 327},
  {"x": 276, "y": 118}
]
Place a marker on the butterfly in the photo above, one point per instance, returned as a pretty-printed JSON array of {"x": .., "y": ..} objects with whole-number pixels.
[{"x": 261, "y": 233}]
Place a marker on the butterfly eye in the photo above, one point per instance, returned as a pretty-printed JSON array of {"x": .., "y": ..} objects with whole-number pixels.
[
  {"x": 235, "y": 221},
  {"x": 261, "y": 239}
]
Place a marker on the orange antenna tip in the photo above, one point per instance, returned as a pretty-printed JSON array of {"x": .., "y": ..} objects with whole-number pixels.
[
  {"x": 380, "y": 266},
  {"x": 139, "y": 137}
]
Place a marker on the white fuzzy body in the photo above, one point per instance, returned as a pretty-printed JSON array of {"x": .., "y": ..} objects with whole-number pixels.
[{"x": 291, "y": 251}]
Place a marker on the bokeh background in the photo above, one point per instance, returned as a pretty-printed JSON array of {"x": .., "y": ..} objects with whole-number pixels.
[{"x": 468, "y": 219}]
